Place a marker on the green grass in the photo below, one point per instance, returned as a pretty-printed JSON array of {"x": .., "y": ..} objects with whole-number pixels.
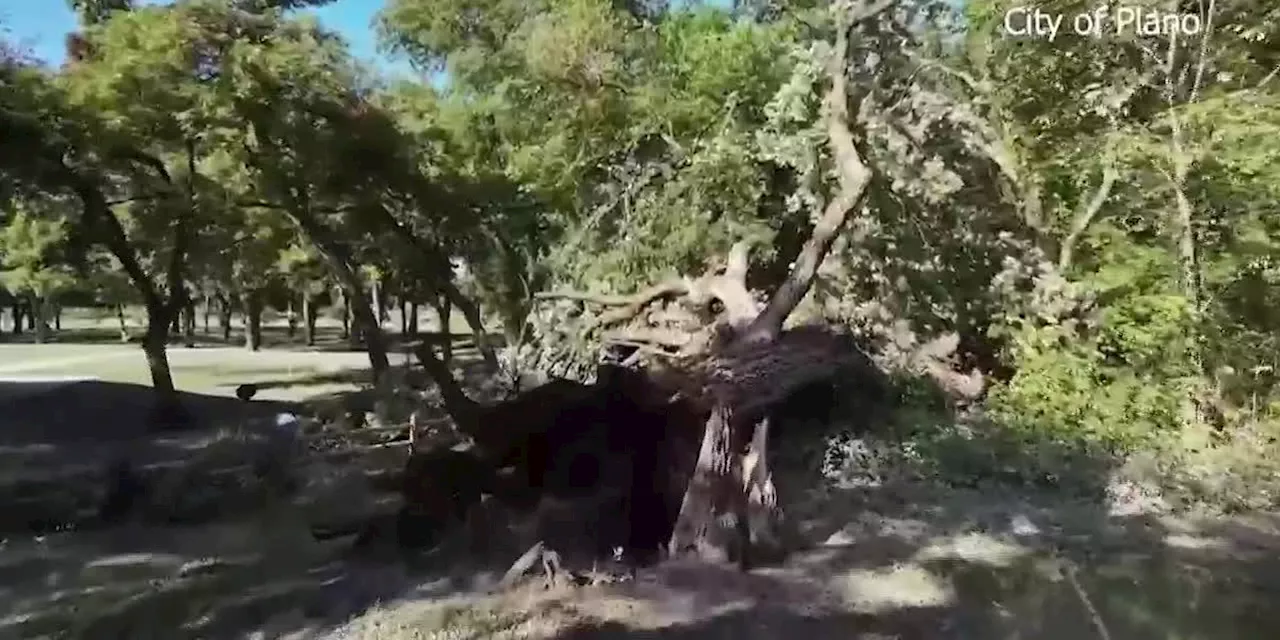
[{"x": 293, "y": 375}]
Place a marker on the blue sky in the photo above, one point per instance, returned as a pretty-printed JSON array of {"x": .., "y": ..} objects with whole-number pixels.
[{"x": 41, "y": 25}]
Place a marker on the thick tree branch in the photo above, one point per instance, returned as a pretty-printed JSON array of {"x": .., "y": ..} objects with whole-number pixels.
[
  {"x": 98, "y": 214},
  {"x": 854, "y": 177},
  {"x": 153, "y": 163},
  {"x": 181, "y": 239},
  {"x": 147, "y": 198},
  {"x": 438, "y": 276}
]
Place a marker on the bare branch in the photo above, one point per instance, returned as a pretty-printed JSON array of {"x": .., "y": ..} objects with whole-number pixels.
[
  {"x": 146, "y": 198},
  {"x": 665, "y": 289},
  {"x": 1085, "y": 215},
  {"x": 854, "y": 177}
]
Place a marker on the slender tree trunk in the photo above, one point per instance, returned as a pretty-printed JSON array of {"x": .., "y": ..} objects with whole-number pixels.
[
  {"x": 292, "y": 319},
  {"x": 189, "y": 324},
  {"x": 364, "y": 320},
  {"x": 224, "y": 316},
  {"x": 375, "y": 295},
  {"x": 345, "y": 311},
  {"x": 412, "y": 331},
  {"x": 30, "y": 314},
  {"x": 251, "y": 301},
  {"x": 39, "y": 321},
  {"x": 309, "y": 319},
  {"x": 124, "y": 325},
  {"x": 355, "y": 335},
  {"x": 445, "y": 312},
  {"x": 365, "y": 324},
  {"x": 404, "y": 316},
  {"x": 207, "y": 311},
  {"x": 16, "y": 310}
]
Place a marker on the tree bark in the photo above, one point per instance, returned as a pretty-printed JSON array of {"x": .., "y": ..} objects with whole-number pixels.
[
  {"x": 345, "y": 312},
  {"x": 251, "y": 302},
  {"x": 404, "y": 316},
  {"x": 339, "y": 259},
  {"x": 731, "y": 470},
  {"x": 124, "y": 326},
  {"x": 154, "y": 345},
  {"x": 38, "y": 320},
  {"x": 309, "y": 319},
  {"x": 712, "y": 515},
  {"x": 412, "y": 331},
  {"x": 437, "y": 274},
  {"x": 375, "y": 295},
  {"x": 189, "y": 324},
  {"x": 445, "y": 312},
  {"x": 224, "y": 316},
  {"x": 291, "y": 319},
  {"x": 16, "y": 310},
  {"x": 208, "y": 311}
]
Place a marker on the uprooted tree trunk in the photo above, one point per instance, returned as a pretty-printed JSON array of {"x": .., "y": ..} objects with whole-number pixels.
[
  {"x": 721, "y": 371},
  {"x": 744, "y": 362}
]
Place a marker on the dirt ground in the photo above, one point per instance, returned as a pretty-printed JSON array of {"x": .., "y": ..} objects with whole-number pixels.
[{"x": 905, "y": 561}]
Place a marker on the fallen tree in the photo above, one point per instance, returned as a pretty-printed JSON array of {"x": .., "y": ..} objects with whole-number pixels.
[{"x": 686, "y": 412}]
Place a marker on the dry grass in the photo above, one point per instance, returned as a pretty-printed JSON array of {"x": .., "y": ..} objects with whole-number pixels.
[{"x": 888, "y": 560}]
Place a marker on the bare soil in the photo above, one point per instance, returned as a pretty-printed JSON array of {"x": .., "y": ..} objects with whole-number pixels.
[{"x": 905, "y": 561}]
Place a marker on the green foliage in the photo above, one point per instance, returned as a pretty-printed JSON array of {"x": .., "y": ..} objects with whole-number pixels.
[{"x": 30, "y": 246}]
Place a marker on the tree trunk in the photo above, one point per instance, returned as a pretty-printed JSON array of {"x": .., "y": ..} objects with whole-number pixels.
[
  {"x": 124, "y": 326},
  {"x": 167, "y": 412},
  {"x": 355, "y": 335},
  {"x": 224, "y": 316},
  {"x": 38, "y": 318},
  {"x": 309, "y": 319},
  {"x": 340, "y": 261},
  {"x": 445, "y": 311},
  {"x": 292, "y": 320},
  {"x": 189, "y": 324},
  {"x": 30, "y": 313},
  {"x": 346, "y": 314},
  {"x": 404, "y": 316},
  {"x": 731, "y": 472},
  {"x": 378, "y": 294},
  {"x": 251, "y": 302},
  {"x": 364, "y": 323},
  {"x": 412, "y": 331},
  {"x": 16, "y": 310},
  {"x": 208, "y": 311},
  {"x": 712, "y": 519},
  {"x": 437, "y": 272},
  {"x": 154, "y": 345}
]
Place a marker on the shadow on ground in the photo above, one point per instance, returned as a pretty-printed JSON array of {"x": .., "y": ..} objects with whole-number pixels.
[
  {"x": 958, "y": 566},
  {"x": 879, "y": 559}
]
